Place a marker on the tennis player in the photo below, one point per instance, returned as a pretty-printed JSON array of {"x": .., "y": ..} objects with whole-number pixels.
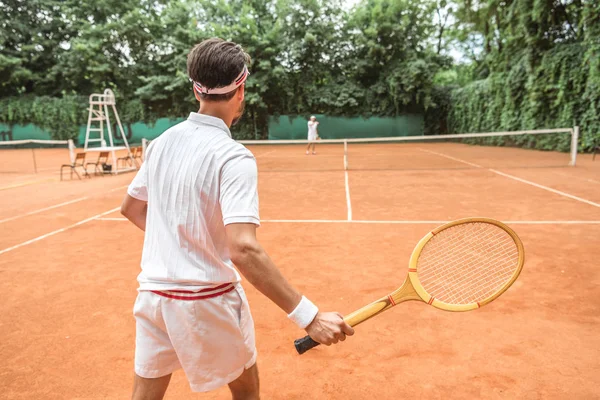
[
  {"x": 313, "y": 134},
  {"x": 196, "y": 198}
]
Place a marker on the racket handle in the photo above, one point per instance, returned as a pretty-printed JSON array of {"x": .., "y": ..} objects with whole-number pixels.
[{"x": 305, "y": 344}]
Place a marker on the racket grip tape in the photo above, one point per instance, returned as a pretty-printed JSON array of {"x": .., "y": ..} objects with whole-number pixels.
[{"x": 305, "y": 344}]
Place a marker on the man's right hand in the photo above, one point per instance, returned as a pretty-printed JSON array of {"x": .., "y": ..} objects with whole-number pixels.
[{"x": 329, "y": 328}]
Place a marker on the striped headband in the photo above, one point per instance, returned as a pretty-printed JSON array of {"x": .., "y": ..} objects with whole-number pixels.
[{"x": 225, "y": 89}]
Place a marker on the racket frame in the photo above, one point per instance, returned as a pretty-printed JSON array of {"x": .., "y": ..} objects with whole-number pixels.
[{"x": 413, "y": 273}]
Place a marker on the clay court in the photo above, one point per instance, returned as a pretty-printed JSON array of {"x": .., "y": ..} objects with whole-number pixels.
[{"x": 69, "y": 262}]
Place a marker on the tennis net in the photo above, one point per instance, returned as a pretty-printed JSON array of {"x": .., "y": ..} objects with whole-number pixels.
[
  {"x": 517, "y": 149},
  {"x": 34, "y": 156}
]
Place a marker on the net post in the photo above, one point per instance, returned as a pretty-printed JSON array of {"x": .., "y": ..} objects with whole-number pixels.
[
  {"x": 345, "y": 155},
  {"x": 144, "y": 148},
  {"x": 574, "y": 143}
]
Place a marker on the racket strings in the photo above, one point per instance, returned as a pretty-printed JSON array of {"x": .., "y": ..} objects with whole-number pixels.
[
  {"x": 455, "y": 286},
  {"x": 472, "y": 285},
  {"x": 467, "y": 263}
]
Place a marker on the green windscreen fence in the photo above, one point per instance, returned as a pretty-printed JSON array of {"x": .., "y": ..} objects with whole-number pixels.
[
  {"x": 285, "y": 127},
  {"x": 135, "y": 132},
  {"x": 282, "y": 127}
]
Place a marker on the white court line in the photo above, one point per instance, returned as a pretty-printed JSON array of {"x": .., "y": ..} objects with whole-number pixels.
[
  {"x": 43, "y": 209},
  {"x": 347, "y": 183},
  {"x": 348, "y": 202},
  {"x": 549, "y": 189},
  {"x": 58, "y": 231},
  {"x": 546, "y": 188},
  {"x": 345, "y": 221},
  {"x": 21, "y": 184},
  {"x": 452, "y": 158},
  {"x": 57, "y": 205}
]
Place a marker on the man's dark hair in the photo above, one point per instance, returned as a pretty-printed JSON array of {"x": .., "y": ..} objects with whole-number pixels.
[{"x": 216, "y": 63}]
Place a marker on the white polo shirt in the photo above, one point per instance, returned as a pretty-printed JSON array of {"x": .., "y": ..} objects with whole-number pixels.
[{"x": 196, "y": 179}]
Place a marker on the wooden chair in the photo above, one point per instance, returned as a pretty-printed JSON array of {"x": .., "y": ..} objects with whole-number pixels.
[
  {"x": 136, "y": 153},
  {"x": 100, "y": 163},
  {"x": 78, "y": 162}
]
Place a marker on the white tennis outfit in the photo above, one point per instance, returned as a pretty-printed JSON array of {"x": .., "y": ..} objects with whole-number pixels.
[
  {"x": 191, "y": 311},
  {"x": 312, "y": 130}
]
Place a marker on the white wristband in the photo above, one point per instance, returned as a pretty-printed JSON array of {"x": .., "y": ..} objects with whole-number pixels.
[{"x": 304, "y": 313}]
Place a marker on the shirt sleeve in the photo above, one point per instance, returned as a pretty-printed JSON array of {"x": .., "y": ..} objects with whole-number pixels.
[
  {"x": 238, "y": 191},
  {"x": 138, "y": 188}
]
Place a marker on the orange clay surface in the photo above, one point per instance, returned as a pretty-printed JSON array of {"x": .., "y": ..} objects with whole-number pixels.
[{"x": 68, "y": 264}]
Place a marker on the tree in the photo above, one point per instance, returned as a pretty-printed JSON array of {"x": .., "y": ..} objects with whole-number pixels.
[
  {"x": 539, "y": 68},
  {"x": 31, "y": 36},
  {"x": 393, "y": 61}
]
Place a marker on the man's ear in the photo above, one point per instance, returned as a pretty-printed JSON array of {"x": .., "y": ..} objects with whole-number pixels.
[
  {"x": 196, "y": 94},
  {"x": 241, "y": 92}
]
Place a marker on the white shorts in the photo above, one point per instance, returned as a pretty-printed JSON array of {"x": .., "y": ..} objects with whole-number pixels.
[
  {"x": 212, "y": 339},
  {"x": 312, "y": 137}
]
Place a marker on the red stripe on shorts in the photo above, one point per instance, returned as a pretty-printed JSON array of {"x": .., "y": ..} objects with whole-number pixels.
[
  {"x": 203, "y": 290},
  {"x": 224, "y": 289}
]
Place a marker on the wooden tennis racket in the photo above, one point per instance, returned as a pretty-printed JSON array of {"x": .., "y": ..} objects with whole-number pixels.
[{"x": 459, "y": 266}]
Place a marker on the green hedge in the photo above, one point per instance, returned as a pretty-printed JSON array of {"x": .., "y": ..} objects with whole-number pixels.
[{"x": 561, "y": 92}]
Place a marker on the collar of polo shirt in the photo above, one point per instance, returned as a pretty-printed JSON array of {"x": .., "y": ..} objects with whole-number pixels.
[{"x": 203, "y": 119}]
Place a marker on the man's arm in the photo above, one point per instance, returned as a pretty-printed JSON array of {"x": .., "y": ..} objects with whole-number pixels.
[
  {"x": 254, "y": 263},
  {"x": 135, "y": 210},
  {"x": 258, "y": 268},
  {"x": 239, "y": 206}
]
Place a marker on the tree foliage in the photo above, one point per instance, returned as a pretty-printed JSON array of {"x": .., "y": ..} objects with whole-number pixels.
[
  {"x": 524, "y": 63},
  {"x": 539, "y": 68}
]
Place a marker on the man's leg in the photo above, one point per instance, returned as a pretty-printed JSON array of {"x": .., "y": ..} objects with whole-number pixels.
[
  {"x": 246, "y": 387},
  {"x": 150, "y": 388}
]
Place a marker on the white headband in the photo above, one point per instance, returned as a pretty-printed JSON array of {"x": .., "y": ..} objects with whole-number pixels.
[{"x": 225, "y": 89}]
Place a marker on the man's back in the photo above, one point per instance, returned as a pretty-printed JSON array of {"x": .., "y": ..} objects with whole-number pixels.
[
  {"x": 197, "y": 179},
  {"x": 196, "y": 198}
]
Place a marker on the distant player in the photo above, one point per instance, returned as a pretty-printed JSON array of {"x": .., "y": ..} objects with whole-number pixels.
[{"x": 313, "y": 135}]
